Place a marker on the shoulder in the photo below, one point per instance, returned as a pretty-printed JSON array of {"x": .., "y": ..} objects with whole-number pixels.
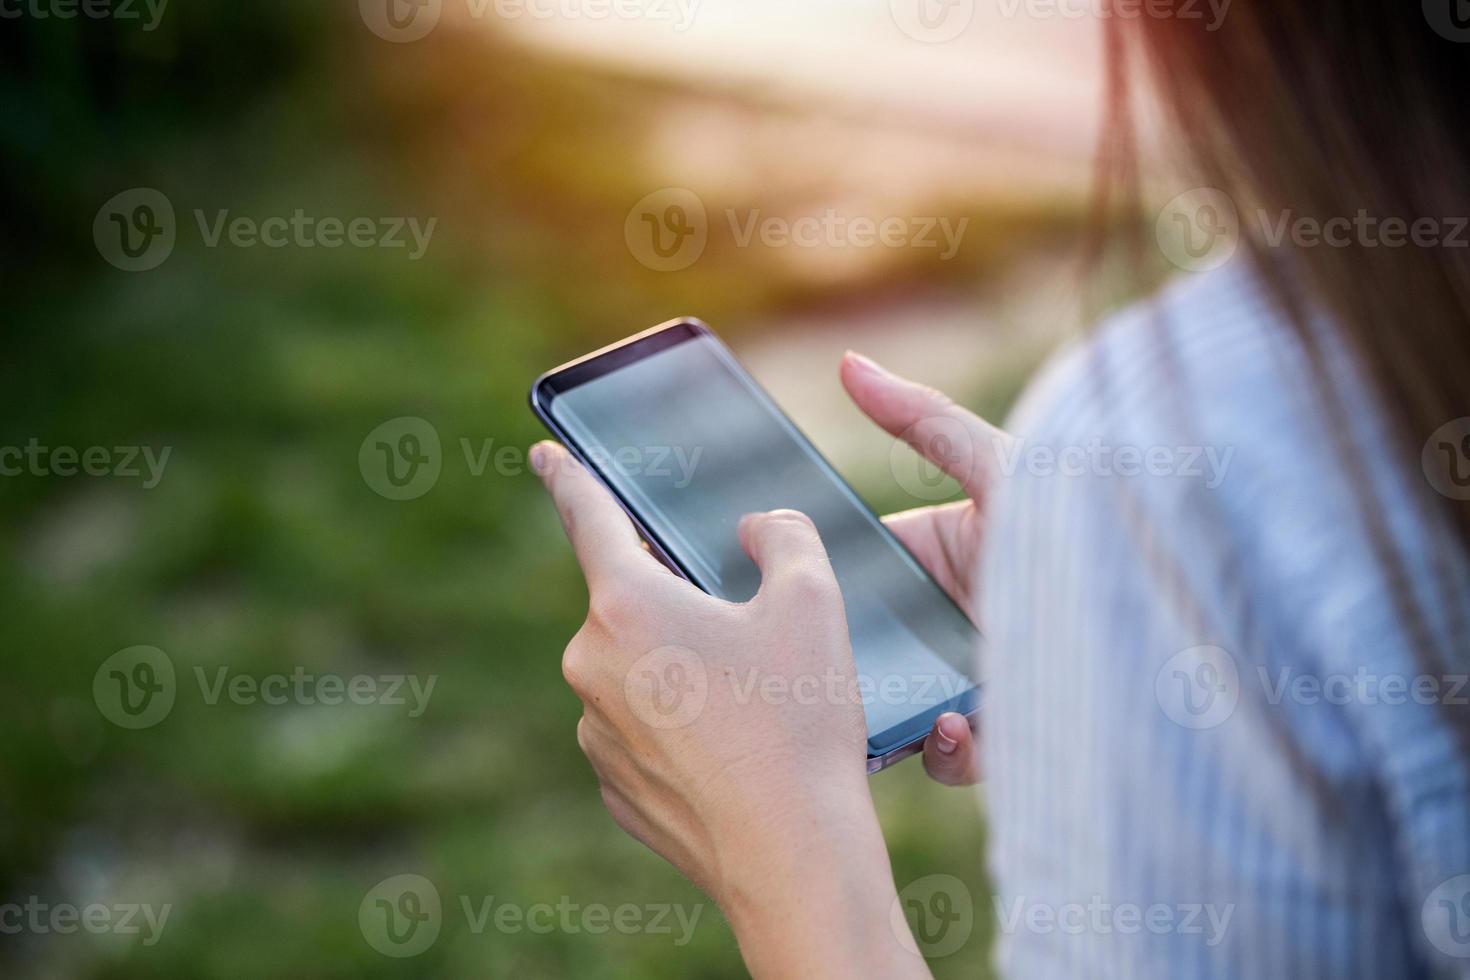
[
  {"x": 1182, "y": 420},
  {"x": 1204, "y": 403},
  {"x": 1209, "y": 355},
  {"x": 1199, "y": 421}
]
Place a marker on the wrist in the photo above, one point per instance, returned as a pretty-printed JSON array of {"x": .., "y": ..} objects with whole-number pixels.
[{"x": 816, "y": 899}]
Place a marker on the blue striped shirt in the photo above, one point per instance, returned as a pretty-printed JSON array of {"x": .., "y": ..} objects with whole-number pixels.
[{"x": 1209, "y": 747}]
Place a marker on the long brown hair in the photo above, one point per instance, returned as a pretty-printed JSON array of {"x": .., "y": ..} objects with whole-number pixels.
[{"x": 1332, "y": 110}]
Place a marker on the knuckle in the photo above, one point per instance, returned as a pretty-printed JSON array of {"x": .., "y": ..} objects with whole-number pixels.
[
  {"x": 616, "y": 806},
  {"x": 939, "y": 768},
  {"x": 592, "y": 741},
  {"x": 808, "y": 585},
  {"x": 583, "y": 737},
  {"x": 771, "y": 526},
  {"x": 613, "y": 607},
  {"x": 625, "y": 814},
  {"x": 574, "y": 665},
  {"x": 787, "y": 516},
  {"x": 571, "y": 672},
  {"x": 943, "y": 777},
  {"x": 790, "y": 532}
]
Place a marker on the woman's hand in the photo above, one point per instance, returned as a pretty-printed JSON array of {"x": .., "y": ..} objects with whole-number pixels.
[
  {"x": 945, "y": 539},
  {"x": 730, "y": 737}
]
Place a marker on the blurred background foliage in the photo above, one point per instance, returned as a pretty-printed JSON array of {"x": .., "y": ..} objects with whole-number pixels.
[{"x": 264, "y": 549}]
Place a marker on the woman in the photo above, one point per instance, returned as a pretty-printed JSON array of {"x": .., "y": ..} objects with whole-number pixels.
[{"x": 1225, "y": 731}]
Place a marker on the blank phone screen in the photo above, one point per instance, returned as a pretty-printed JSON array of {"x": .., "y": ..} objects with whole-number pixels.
[{"x": 692, "y": 444}]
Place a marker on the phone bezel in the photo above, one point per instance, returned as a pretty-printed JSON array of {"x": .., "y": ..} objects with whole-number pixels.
[{"x": 884, "y": 748}]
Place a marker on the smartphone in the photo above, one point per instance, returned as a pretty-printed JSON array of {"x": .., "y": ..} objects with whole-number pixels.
[{"x": 688, "y": 442}]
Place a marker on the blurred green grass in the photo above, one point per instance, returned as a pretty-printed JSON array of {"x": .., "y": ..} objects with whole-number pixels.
[{"x": 263, "y": 548}]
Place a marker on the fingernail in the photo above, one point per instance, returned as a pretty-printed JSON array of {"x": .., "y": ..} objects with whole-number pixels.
[
  {"x": 539, "y": 456},
  {"x": 865, "y": 363},
  {"x": 948, "y": 732}
]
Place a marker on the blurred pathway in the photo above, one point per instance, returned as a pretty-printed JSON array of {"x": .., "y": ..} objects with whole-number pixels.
[{"x": 965, "y": 347}]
